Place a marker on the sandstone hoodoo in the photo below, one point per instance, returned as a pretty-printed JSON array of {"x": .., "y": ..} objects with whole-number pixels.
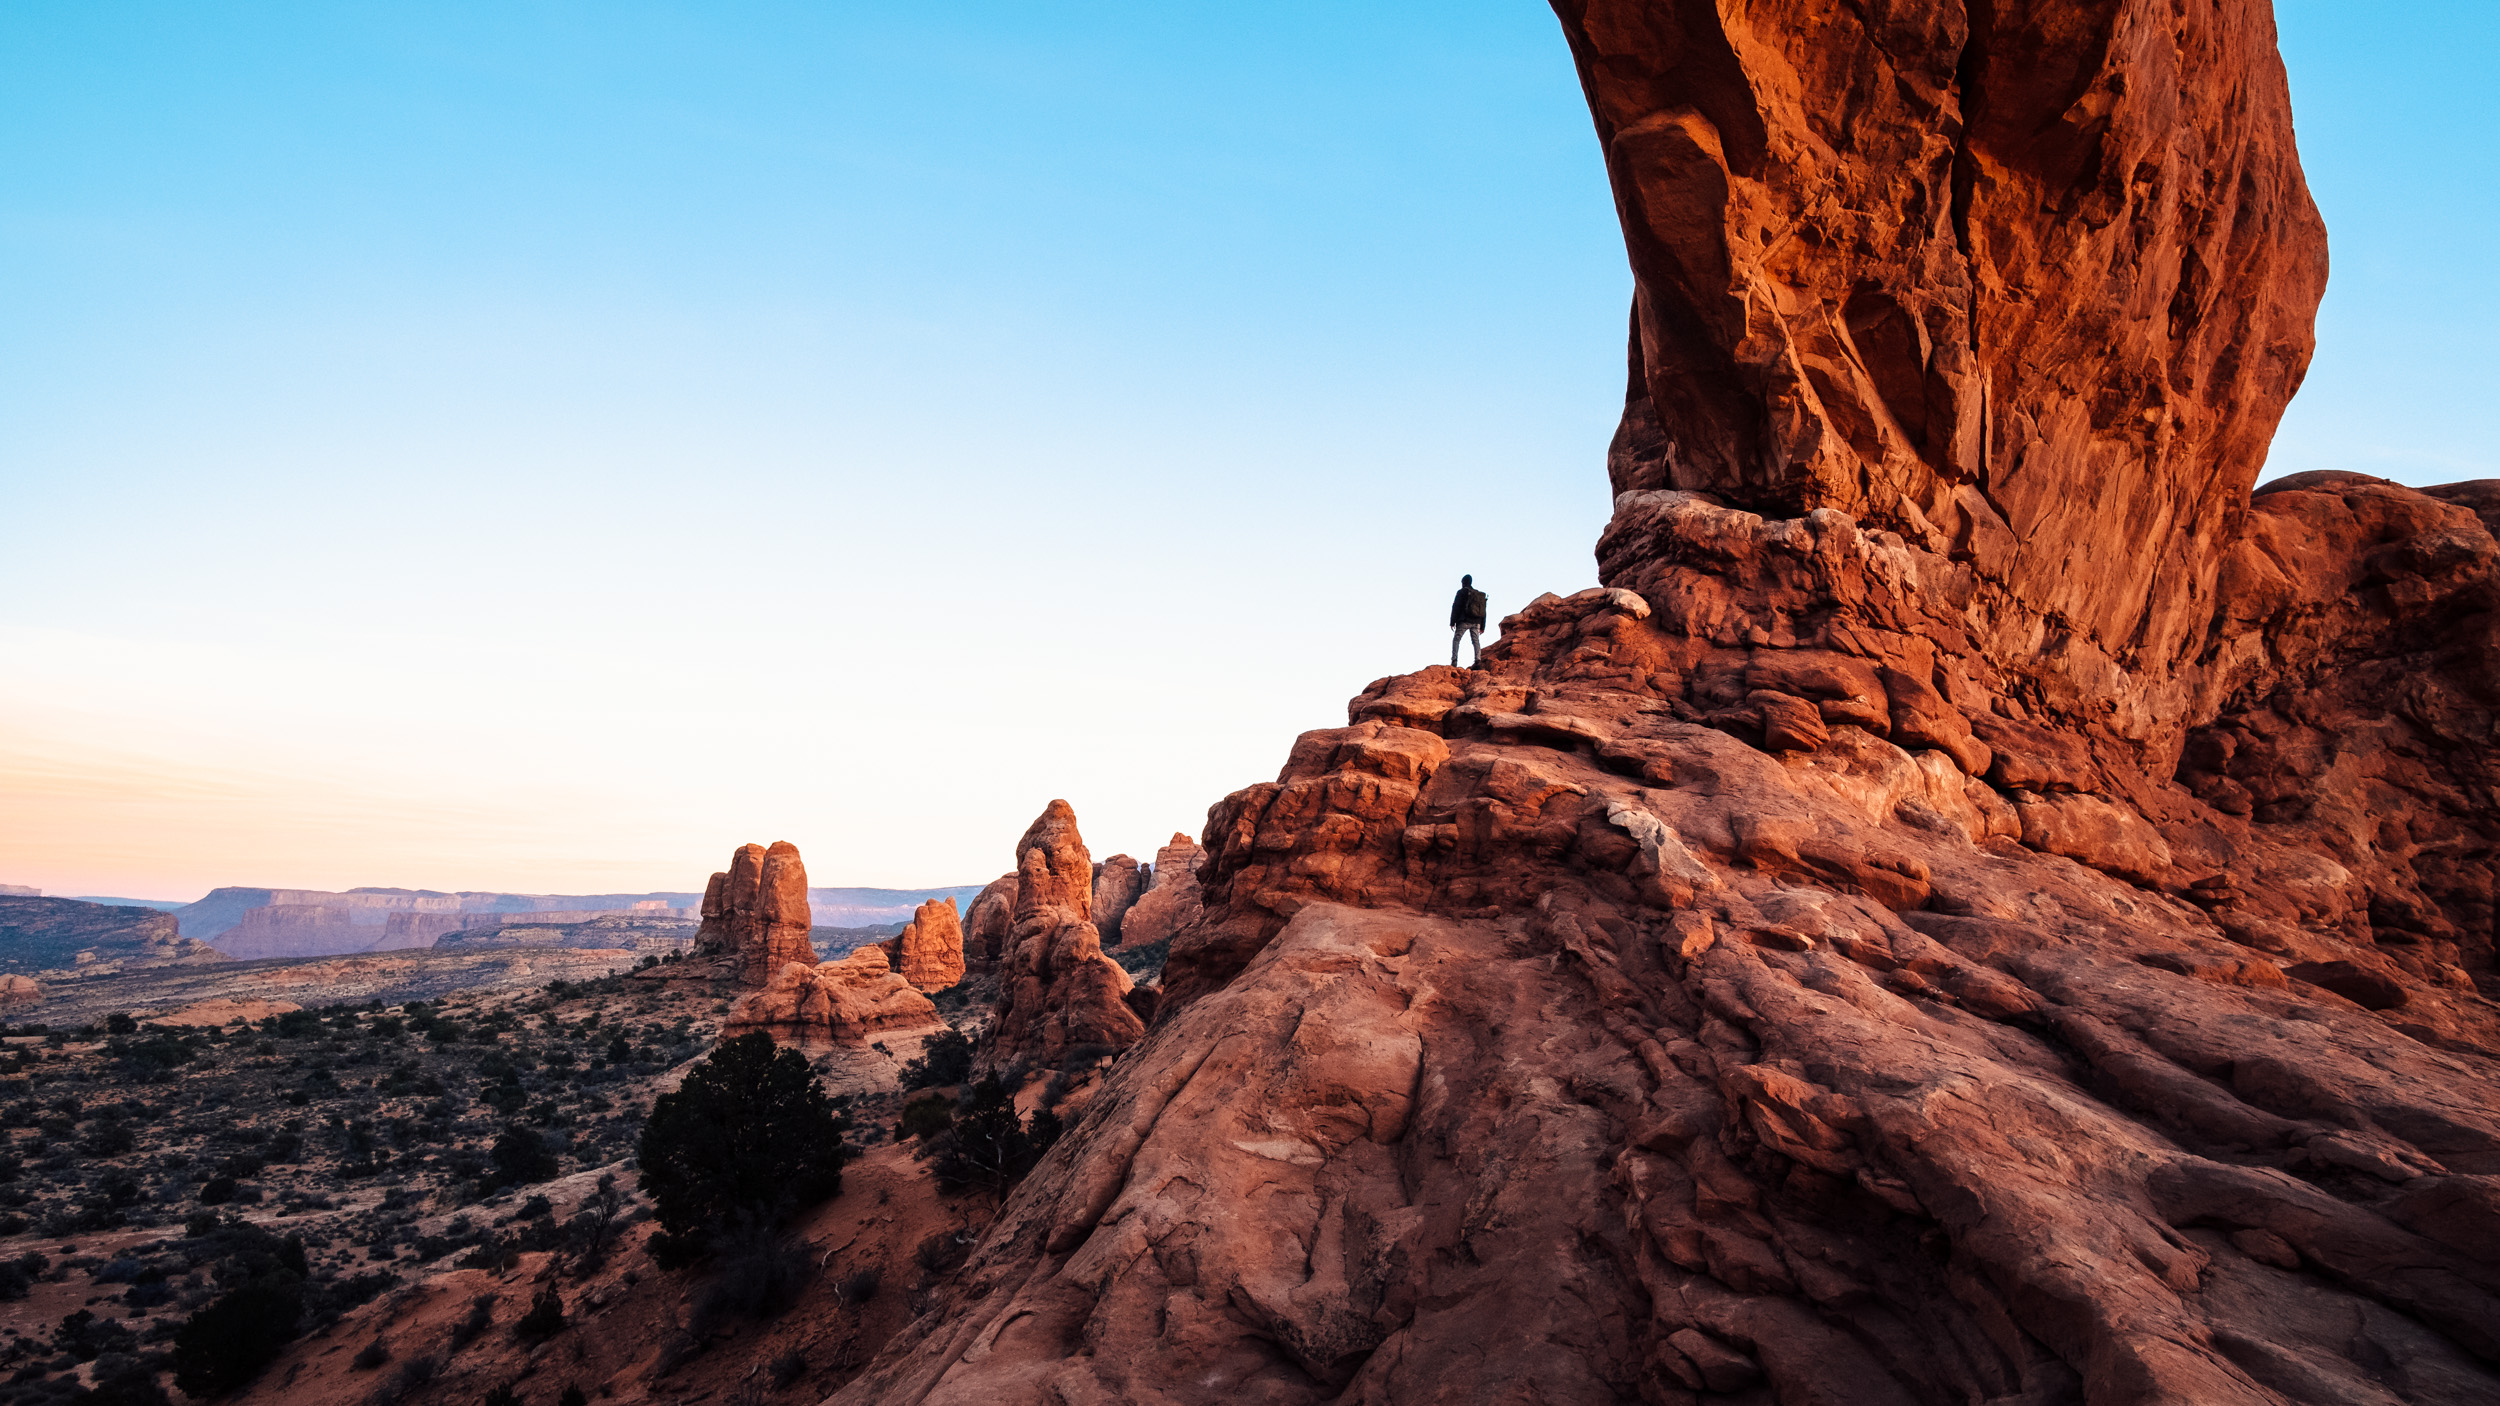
[
  {"x": 929, "y": 952},
  {"x": 1171, "y": 903},
  {"x": 1059, "y": 996},
  {"x": 1117, "y": 882},
  {"x": 1974, "y": 907},
  {"x": 755, "y": 913},
  {"x": 987, "y": 923}
]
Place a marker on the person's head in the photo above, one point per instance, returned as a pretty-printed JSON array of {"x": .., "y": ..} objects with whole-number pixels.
[{"x": 1467, "y": 581}]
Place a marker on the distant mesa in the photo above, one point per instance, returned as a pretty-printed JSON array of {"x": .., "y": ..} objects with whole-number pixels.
[
  {"x": 19, "y": 891},
  {"x": 64, "y": 937},
  {"x": 253, "y": 923}
]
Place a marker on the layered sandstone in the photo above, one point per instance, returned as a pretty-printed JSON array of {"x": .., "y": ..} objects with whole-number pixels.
[
  {"x": 1117, "y": 882},
  {"x": 755, "y": 913},
  {"x": 1975, "y": 907},
  {"x": 1171, "y": 902},
  {"x": 2035, "y": 282},
  {"x": 813, "y": 1004},
  {"x": 988, "y": 922},
  {"x": 1058, "y": 995},
  {"x": 929, "y": 952}
]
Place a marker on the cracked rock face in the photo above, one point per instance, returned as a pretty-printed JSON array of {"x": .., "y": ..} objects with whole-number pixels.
[{"x": 1975, "y": 907}]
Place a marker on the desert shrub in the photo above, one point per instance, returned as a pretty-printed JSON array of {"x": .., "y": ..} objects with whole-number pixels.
[
  {"x": 989, "y": 1146},
  {"x": 296, "y": 1025},
  {"x": 572, "y": 1396},
  {"x": 216, "y": 1191},
  {"x": 287, "y": 1146},
  {"x": 86, "y": 1337},
  {"x": 122, "y": 1380},
  {"x": 120, "y": 1023},
  {"x": 544, "y": 1320},
  {"x": 619, "y": 1051},
  {"x": 748, "y": 1138},
  {"x": 521, "y": 1158},
  {"x": 225, "y": 1345},
  {"x": 413, "y": 1376},
  {"x": 370, "y": 1356},
  {"x": 785, "y": 1369},
  {"x": 108, "y": 1137},
  {"x": 925, "y": 1115},
  {"x": 481, "y": 1317},
  {"x": 941, "y": 1253},
  {"x": 761, "y": 1275},
  {"x": 501, "y": 1396},
  {"x": 860, "y": 1285},
  {"x": 946, "y": 1060}
]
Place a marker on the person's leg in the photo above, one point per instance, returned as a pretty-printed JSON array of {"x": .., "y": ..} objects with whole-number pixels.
[
  {"x": 1475, "y": 646},
  {"x": 1455, "y": 632}
]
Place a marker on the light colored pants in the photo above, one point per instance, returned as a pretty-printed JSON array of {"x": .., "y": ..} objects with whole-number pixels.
[{"x": 1474, "y": 635}]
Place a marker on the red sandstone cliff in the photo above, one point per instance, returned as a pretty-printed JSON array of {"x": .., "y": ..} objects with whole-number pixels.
[
  {"x": 1976, "y": 907},
  {"x": 1058, "y": 995}
]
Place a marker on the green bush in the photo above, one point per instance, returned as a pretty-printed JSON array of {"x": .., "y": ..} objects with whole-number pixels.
[
  {"x": 925, "y": 1115},
  {"x": 946, "y": 1060},
  {"x": 989, "y": 1146},
  {"x": 521, "y": 1158},
  {"x": 747, "y": 1138}
]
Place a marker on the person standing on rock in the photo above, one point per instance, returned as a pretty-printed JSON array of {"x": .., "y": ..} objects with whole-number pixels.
[{"x": 1467, "y": 619}]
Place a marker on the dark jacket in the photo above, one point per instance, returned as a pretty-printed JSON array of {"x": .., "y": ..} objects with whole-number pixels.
[{"x": 1467, "y": 609}]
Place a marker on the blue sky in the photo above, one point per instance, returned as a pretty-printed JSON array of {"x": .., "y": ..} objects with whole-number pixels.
[{"x": 542, "y": 446}]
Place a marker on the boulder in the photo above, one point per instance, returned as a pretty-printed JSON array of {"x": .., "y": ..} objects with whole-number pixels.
[{"x": 815, "y": 1004}]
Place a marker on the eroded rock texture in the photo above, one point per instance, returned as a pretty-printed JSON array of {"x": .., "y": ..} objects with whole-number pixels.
[
  {"x": 1974, "y": 908},
  {"x": 814, "y": 1004},
  {"x": 755, "y": 913},
  {"x": 2038, "y": 279},
  {"x": 1117, "y": 883},
  {"x": 1171, "y": 902},
  {"x": 929, "y": 951},
  {"x": 986, "y": 925},
  {"x": 1058, "y": 995}
]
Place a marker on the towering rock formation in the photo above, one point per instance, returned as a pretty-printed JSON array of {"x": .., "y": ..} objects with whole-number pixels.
[
  {"x": 1058, "y": 994},
  {"x": 755, "y": 913},
  {"x": 929, "y": 952},
  {"x": 1975, "y": 907},
  {"x": 986, "y": 926},
  {"x": 1172, "y": 902},
  {"x": 1117, "y": 883},
  {"x": 2035, "y": 282}
]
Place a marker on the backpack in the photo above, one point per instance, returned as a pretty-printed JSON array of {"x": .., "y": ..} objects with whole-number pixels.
[{"x": 1475, "y": 605}]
